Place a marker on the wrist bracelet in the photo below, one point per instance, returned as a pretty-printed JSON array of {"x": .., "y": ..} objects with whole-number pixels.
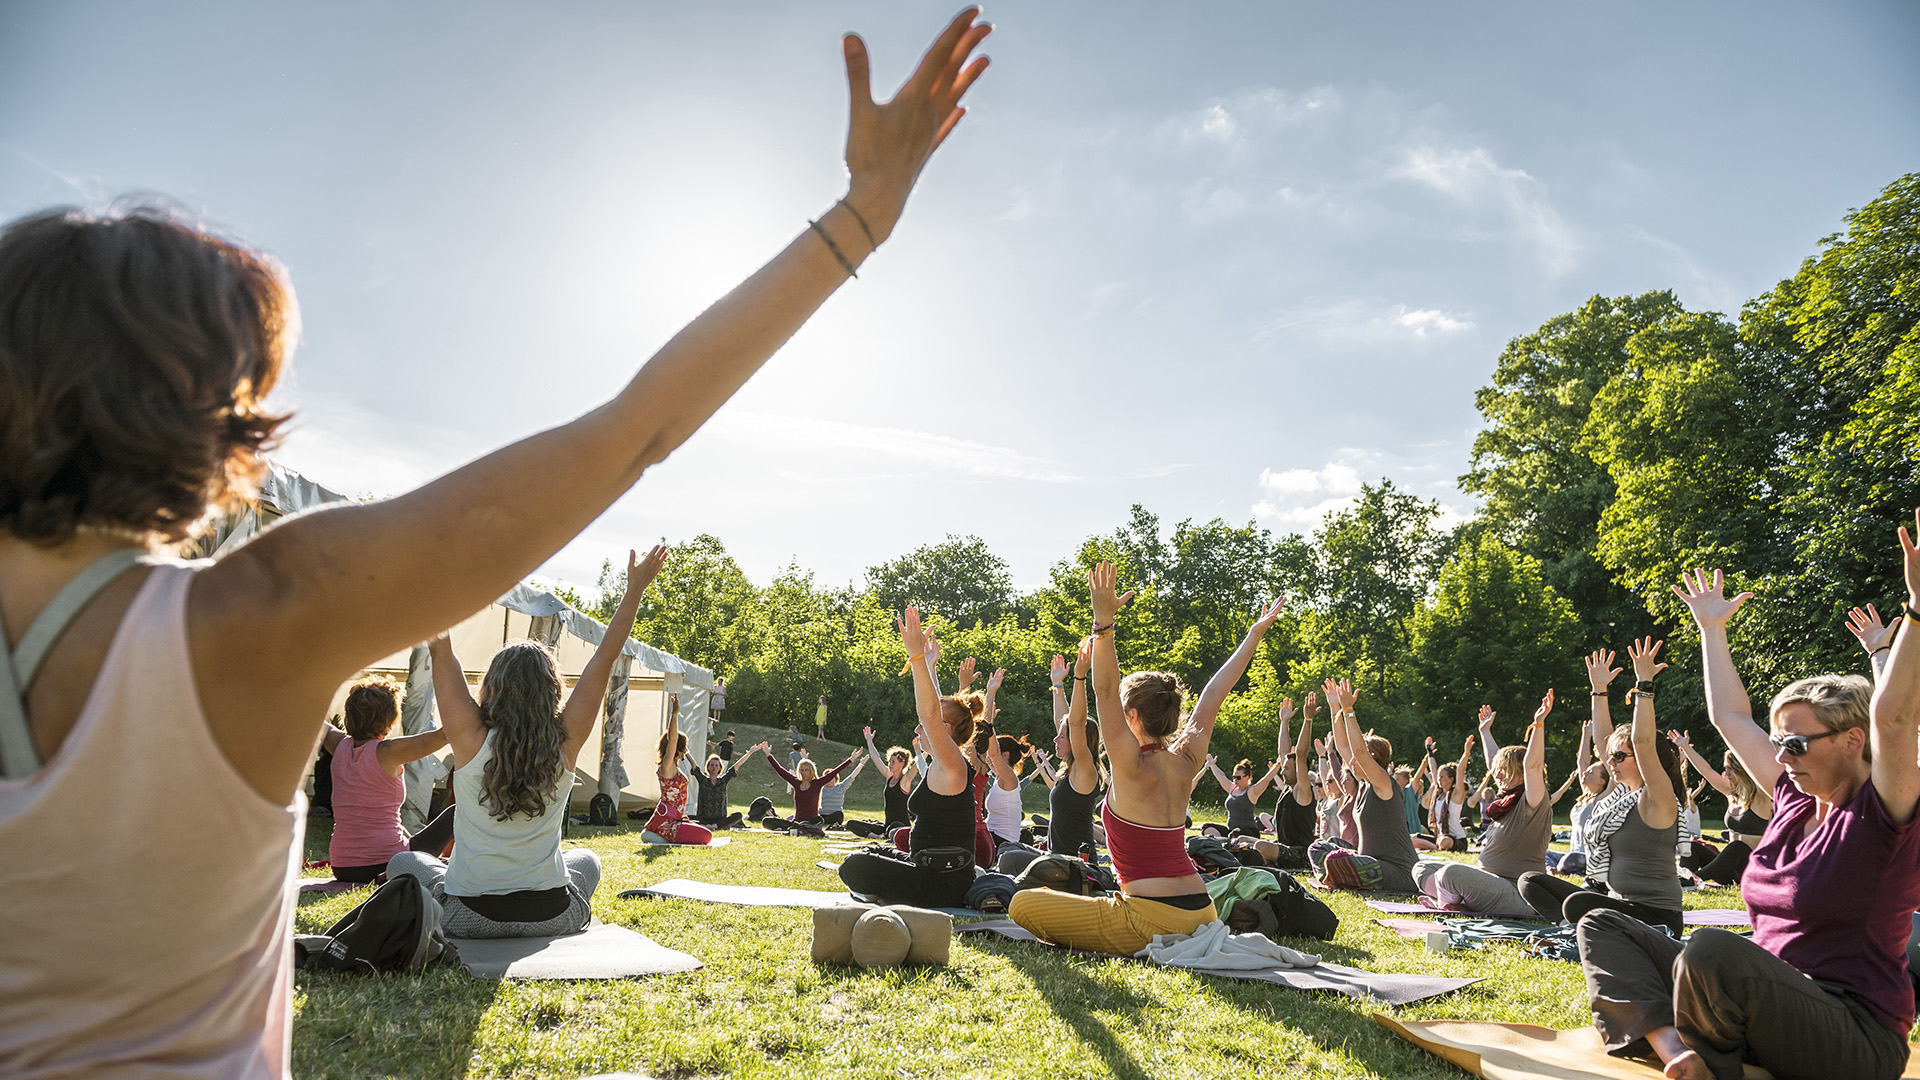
[
  {"x": 1601, "y": 693},
  {"x": 1878, "y": 651},
  {"x": 857, "y": 216},
  {"x": 835, "y": 248},
  {"x": 1907, "y": 612},
  {"x": 1098, "y": 630},
  {"x": 916, "y": 659}
]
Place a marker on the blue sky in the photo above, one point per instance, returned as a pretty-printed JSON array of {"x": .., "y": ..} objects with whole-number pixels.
[{"x": 1226, "y": 260}]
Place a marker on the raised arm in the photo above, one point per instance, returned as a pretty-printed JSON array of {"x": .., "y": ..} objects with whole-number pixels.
[
  {"x": 1123, "y": 750},
  {"x": 330, "y": 737},
  {"x": 1659, "y": 803},
  {"x": 1727, "y": 704},
  {"x": 1460, "y": 784},
  {"x": 1057, "y": 676},
  {"x": 1584, "y": 756},
  {"x": 993, "y": 693},
  {"x": 873, "y": 752},
  {"x": 1561, "y": 791},
  {"x": 1895, "y": 712},
  {"x": 1259, "y": 788},
  {"x": 459, "y": 714},
  {"x": 1083, "y": 773},
  {"x": 1489, "y": 746},
  {"x": 841, "y": 772},
  {"x": 1707, "y": 772},
  {"x": 946, "y": 770},
  {"x": 1199, "y": 732},
  {"x": 1534, "y": 765},
  {"x": 277, "y": 623},
  {"x": 1340, "y": 698},
  {"x": 1213, "y": 766},
  {"x": 1601, "y": 672},
  {"x": 1302, "y": 776},
  {"x": 667, "y": 763},
  {"x": 1875, "y": 637},
  {"x": 590, "y": 689}
]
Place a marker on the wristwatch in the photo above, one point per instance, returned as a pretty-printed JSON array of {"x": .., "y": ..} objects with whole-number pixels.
[{"x": 1644, "y": 686}]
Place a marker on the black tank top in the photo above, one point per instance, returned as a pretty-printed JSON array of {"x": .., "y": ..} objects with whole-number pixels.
[
  {"x": 896, "y": 802},
  {"x": 1070, "y": 817},
  {"x": 1744, "y": 820},
  {"x": 941, "y": 820},
  {"x": 1240, "y": 815},
  {"x": 1294, "y": 823}
]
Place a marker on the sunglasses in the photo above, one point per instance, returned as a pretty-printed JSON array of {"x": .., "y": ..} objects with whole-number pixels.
[
  {"x": 1619, "y": 756},
  {"x": 1797, "y": 745}
]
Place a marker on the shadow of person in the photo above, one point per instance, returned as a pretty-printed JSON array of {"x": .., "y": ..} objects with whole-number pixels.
[{"x": 1066, "y": 983}]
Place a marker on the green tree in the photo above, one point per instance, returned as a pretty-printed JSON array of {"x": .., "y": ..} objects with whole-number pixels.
[
  {"x": 1493, "y": 633},
  {"x": 959, "y": 579},
  {"x": 800, "y": 654},
  {"x": 701, "y": 608},
  {"x": 1376, "y": 561}
]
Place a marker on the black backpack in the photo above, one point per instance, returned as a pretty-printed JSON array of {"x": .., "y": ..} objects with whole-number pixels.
[
  {"x": 1211, "y": 855},
  {"x": 395, "y": 929},
  {"x": 600, "y": 810},
  {"x": 1298, "y": 912}
]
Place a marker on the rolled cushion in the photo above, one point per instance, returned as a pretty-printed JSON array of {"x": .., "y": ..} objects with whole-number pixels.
[
  {"x": 833, "y": 932},
  {"x": 881, "y": 939}
]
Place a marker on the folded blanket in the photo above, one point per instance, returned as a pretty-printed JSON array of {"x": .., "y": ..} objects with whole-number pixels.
[{"x": 1214, "y": 948}]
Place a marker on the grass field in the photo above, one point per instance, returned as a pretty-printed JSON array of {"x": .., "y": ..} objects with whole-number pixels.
[{"x": 760, "y": 1008}]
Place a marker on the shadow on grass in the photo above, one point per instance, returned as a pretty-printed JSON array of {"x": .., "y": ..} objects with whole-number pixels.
[
  {"x": 365, "y": 1025},
  {"x": 1075, "y": 996}
]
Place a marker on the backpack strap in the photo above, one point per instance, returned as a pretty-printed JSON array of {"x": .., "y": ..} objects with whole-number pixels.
[{"x": 19, "y": 758}]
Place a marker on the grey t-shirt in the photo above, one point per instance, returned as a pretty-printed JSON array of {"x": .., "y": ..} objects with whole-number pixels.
[
  {"x": 1384, "y": 836},
  {"x": 1640, "y": 864},
  {"x": 1517, "y": 843}
]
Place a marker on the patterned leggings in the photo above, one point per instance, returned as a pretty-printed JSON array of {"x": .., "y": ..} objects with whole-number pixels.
[
  {"x": 1119, "y": 925},
  {"x": 458, "y": 920}
]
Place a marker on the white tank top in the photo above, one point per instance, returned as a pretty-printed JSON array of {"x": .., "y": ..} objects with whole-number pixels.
[
  {"x": 491, "y": 856},
  {"x": 1004, "y": 811},
  {"x": 159, "y": 945}
]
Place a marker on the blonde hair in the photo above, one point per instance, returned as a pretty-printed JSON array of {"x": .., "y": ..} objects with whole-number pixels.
[
  {"x": 1839, "y": 702},
  {"x": 1514, "y": 757}
]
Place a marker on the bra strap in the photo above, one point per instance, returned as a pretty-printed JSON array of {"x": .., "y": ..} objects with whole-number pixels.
[{"x": 19, "y": 758}]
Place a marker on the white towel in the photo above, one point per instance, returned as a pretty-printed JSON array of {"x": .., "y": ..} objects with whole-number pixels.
[{"x": 1214, "y": 947}]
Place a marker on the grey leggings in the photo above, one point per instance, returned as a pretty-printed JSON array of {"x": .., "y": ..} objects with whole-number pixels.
[{"x": 458, "y": 920}]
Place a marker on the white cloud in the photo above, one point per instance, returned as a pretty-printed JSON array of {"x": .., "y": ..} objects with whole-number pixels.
[
  {"x": 1299, "y": 499},
  {"x": 781, "y": 436},
  {"x": 1473, "y": 177},
  {"x": 1430, "y": 319},
  {"x": 1366, "y": 322},
  {"x": 1337, "y": 477}
]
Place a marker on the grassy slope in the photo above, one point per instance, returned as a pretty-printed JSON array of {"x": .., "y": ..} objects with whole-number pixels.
[{"x": 760, "y": 1008}]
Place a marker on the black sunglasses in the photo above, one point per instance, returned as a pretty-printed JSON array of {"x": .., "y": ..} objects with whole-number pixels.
[
  {"x": 1797, "y": 745},
  {"x": 1619, "y": 756}
]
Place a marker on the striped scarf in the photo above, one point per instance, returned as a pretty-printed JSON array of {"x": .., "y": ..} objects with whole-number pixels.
[{"x": 1608, "y": 814}]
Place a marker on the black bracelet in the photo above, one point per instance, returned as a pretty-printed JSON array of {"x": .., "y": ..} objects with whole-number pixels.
[
  {"x": 835, "y": 248},
  {"x": 1878, "y": 651},
  {"x": 1908, "y": 613},
  {"x": 871, "y": 242},
  {"x": 1601, "y": 693}
]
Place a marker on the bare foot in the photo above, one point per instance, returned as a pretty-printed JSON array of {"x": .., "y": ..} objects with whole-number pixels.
[{"x": 1688, "y": 1066}]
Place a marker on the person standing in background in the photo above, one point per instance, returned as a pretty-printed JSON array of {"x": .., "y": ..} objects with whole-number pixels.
[{"x": 820, "y": 719}]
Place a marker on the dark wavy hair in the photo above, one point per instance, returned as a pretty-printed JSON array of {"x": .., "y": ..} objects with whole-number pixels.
[
  {"x": 135, "y": 352},
  {"x": 680, "y": 748},
  {"x": 372, "y": 705},
  {"x": 521, "y": 691}
]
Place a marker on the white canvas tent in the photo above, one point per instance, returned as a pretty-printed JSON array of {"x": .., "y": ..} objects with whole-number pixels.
[{"x": 636, "y": 704}]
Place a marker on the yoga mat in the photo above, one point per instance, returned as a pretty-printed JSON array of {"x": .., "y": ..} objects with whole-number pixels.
[
  {"x": 599, "y": 952},
  {"x": 329, "y": 885},
  {"x": 718, "y": 841},
  {"x": 1389, "y": 989},
  {"x": 1716, "y": 917},
  {"x": 825, "y": 865},
  {"x": 762, "y": 896},
  {"x": 1410, "y": 928},
  {"x": 1527, "y": 1052},
  {"x": 1702, "y": 917}
]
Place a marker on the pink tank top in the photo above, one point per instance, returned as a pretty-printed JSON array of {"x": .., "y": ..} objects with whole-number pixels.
[
  {"x": 366, "y": 807},
  {"x": 156, "y": 945}
]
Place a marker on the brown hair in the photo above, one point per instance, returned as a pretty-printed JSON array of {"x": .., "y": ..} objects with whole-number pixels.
[
  {"x": 372, "y": 705},
  {"x": 1381, "y": 749},
  {"x": 899, "y": 752},
  {"x": 1244, "y": 766},
  {"x": 960, "y": 712},
  {"x": 1839, "y": 702},
  {"x": 1157, "y": 696},
  {"x": 1668, "y": 756},
  {"x": 522, "y": 711},
  {"x": 679, "y": 747},
  {"x": 135, "y": 351},
  {"x": 1016, "y": 750}
]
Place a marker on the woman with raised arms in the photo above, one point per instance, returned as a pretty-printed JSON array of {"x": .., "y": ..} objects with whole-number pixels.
[
  {"x": 137, "y": 351},
  {"x": 1156, "y": 756}
]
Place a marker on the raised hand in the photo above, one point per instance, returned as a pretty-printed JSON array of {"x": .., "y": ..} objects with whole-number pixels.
[
  {"x": 1431, "y": 745},
  {"x": 1600, "y": 669},
  {"x": 1912, "y": 556},
  {"x": 1874, "y": 635},
  {"x": 1286, "y": 709},
  {"x": 933, "y": 652},
  {"x": 912, "y": 636},
  {"x": 966, "y": 675},
  {"x": 1084, "y": 660},
  {"x": 762, "y": 745},
  {"x": 1681, "y": 739},
  {"x": 888, "y": 144},
  {"x": 1267, "y": 614},
  {"x": 1310, "y": 705},
  {"x": 1546, "y": 706},
  {"x": 1100, "y": 591},
  {"x": 1709, "y": 603},
  {"x": 1058, "y": 672},
  {"x": 994, "y": 680},
  {"x": 868, "y": 732},
  {"x": 1320, "y": 747},
  {"x": 1468, "y": 749},
  {"x": 641, "y": 572},
  {"x": 1340, "y": 694},
  {"x": 1486, "y": 717},
  {"x": 1642, "y": 654}
]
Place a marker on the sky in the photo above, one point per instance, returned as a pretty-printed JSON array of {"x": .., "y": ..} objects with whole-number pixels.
[{"x": 1229, "y": 260}]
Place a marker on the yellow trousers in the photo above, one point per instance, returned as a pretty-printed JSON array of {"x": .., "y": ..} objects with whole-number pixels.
[{"x": 1120, "y": 925}]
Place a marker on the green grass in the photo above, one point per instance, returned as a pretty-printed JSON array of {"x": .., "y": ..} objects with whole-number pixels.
[{"x": 760, "y": 1008}]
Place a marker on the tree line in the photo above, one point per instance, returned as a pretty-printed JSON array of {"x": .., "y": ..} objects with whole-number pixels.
[{"x": 1623, "y": 442}]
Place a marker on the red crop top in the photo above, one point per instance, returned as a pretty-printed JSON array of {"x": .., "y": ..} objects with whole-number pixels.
[{"x": 1145, "y": 851}]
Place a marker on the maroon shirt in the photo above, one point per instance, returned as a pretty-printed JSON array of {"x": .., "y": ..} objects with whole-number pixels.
[
  {"x": 806, "y": 795},
  {"x": 1838, "y": 904}
]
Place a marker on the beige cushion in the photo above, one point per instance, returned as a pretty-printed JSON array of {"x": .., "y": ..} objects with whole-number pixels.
[
  {"x": 881, "y": 939},
  {"x": 833, "y": 932}
]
